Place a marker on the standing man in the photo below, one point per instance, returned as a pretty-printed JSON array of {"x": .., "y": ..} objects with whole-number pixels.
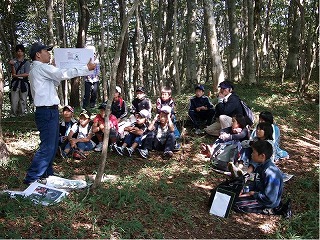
[
  {"x": 20, "y": 68},
  {"x": 91, "y": 85},
  {"x": 44, "y": 79}
]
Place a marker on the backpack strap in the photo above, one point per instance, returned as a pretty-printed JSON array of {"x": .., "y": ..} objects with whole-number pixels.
[{"x": 21, "y": 64}]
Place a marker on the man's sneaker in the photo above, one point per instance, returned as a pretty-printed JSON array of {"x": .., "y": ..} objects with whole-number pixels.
[
  {"x": 98, "y": 148},
  {"x": 144, "y": 153},
  {"x": 42, "y": 181},
  {"x": 118, "y": 150},
  {"x": 177, "y": 147},
  {"x": 233, "y": 169},
  {"x": 198, "y": 131},
  {"x": 167, "y": 154},
  {"x": 128, "y": 151}
]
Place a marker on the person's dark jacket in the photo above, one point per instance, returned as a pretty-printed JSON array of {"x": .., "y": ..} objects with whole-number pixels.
[
  {"x": 138, "y": 105},
  {"x": 230, "y": 108},
  {"x": 268, "y": 184},
  {"x": 119, "y": 108},
  {"x": 196, "y": 102}
]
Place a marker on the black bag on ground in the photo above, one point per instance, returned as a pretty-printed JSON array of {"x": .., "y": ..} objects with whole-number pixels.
[
  {"x": 224, "y": 153},
  {"x": 233, "y": 185},
  {"x": 224, "y": 196}
]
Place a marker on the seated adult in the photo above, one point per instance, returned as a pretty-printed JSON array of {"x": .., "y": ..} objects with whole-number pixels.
[{"x": 228, "y": 105}]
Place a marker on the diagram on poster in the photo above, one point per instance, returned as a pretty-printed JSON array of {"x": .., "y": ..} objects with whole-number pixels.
[{"x": 72, "y": 57}]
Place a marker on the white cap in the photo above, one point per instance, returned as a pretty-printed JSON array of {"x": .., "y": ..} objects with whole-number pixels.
[
  {"x": 166, "y": 109},
  {"x": 118, "y": 89}
]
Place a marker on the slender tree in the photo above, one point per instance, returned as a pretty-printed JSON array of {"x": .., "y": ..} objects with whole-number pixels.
[
  {"x": 125, "y": 25},
  {"x": 190, "y": 47},
  {"x": 212, "y": 44},
  {"x": 83, "y": 20},
  {"x": 234, "y": 56}
]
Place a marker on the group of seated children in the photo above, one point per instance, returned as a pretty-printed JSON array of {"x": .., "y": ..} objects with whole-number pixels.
[
  {"x": 135, "y": 132},
  {"x": 257, "y": 154},
  {"x": 257, "y": 151}
]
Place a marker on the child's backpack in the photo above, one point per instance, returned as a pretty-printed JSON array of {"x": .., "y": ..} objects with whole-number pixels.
[
  {"x": 247, "y": 113},
  {"x": 223, "y": 153}
]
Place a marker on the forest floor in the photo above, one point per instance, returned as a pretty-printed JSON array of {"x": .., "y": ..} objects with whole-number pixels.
[{"x": 158, "y": 198}]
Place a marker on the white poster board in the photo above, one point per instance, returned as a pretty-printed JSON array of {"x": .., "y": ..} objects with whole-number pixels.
[{"x": 72, "y": 57}]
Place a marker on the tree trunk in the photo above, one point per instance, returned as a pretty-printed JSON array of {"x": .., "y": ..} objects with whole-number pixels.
[
  {"x": 250, "y": 48},
  {"x": 83, "y": 20},
  {"x": 4, "y": 153},
  {"x": 302, "y": 81},
  {"x": 49, "y": 9},
  {"x": 125, "y": 24},
  {"x": 124, "y": 49},
  {"x": 102, "y": 49},
  {"x": 293, "y": 41},
  {"x": 139, "y": 49},
  {"x": 212, "y": 45},
  {"x": 175, "y": 49},
  {"x": 191, "y": 63},
  {"x": 234, "y": 57}
]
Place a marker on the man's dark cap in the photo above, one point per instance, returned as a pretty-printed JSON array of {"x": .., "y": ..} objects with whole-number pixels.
[{"x": 37, "y": 47}]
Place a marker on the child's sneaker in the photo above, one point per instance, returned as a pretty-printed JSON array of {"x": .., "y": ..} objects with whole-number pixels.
[
  {"x": 144, "y": 153},
  {"x": 128, "y": 151},
  {"x": 118, "y": 150},
  {"x": 98, "y": 148},
  {"x": 167, "y": 154}
]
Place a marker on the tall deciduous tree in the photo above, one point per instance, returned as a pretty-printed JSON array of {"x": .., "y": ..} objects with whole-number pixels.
[
  {"x": 294, "y": 29},
  {"x": 234, "y": 55},
  {"x": 83, "y": 20},
  {"x": 4, "y": 153},
  {"x": 125, "y": 24},
  {"x": 190, "y": 47},
  {"x": 212, "y": 45},
  {"x": 250, "y": 63}
]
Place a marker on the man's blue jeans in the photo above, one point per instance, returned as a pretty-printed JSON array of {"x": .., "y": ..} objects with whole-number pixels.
[{"x": 47, "y": 121}]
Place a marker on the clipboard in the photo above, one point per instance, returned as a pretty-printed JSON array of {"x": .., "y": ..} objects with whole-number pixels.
[{"x": 222, "y": 203}]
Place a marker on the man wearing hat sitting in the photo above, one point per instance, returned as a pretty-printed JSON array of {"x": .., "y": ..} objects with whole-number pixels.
[
  {"x": 200, "y": 109},
  {"x": 228, "y": 105}
]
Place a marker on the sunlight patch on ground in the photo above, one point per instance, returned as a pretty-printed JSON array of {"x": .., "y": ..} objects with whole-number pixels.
[
  {"x": 268, "y": 227},
  {"x": 20, "y": 146}
]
